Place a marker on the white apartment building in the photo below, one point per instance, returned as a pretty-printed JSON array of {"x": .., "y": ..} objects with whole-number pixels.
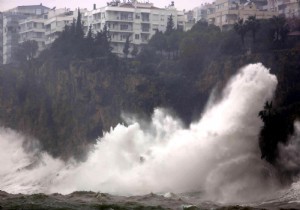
[
  {"x": 56, "y": 21},
  {"x": 32, "y": 28},
  {"x": 137, "y": 20}
]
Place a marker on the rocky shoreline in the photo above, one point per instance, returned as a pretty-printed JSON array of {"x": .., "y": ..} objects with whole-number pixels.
[{"x": 84, "y": 200}]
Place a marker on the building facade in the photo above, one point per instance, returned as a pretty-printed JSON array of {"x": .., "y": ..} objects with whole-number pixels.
[
  {"x": 288, "y": 8},
  {"x": 32, "y": 28},
  {"x": 11, "y": 28},
  {"x": 202, "y": 12},
  {"x": 224, "y": 13},
  {"x": 55, "y": 23},
  {"x": 228, "y": 12},
  {"x": 138, "y": 21},
  {"x": 133, "y": 19}
]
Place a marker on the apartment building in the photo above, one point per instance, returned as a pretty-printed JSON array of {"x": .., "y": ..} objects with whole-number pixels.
[
  {"x": 202, "y": 12},
  {"x": 136, "y": 20},
  {"x": 288, "y": 8},
  {"x": 56, "y": 21},
  {"x": 32, "y": 28},
  {"x": 11, "y": 28},
  {"x": 227, "y": 12},
  {"x": 133, "y": 19}
]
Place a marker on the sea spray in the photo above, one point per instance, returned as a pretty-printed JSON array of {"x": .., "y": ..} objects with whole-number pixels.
[
  {"x": 218, "y": 155},
  {"x": 23, "y": 168}
]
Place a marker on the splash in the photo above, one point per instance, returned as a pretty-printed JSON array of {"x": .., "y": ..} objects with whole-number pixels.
[{"x": 218, "y": 155}]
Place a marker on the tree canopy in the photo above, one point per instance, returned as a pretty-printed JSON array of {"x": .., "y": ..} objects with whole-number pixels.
[{"x": 26, "y": 51}]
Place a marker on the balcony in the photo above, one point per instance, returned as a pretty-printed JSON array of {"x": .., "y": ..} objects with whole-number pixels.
[
  {"x": 145, "y": 30},
  {"x": 120, "y": 19},
  {"x": 31, "y": 29},
  {"x": 120, "y": 28},
  {"x": 145, "y": 20},
  {"x": 37, "y": 39}
]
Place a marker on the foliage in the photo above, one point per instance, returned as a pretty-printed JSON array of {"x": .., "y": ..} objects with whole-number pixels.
[
  {"x": 170, "y": 25},
  {"x": 79, "y": 33},
  {"x": 277, "y": 127},
  {"x": 279, "y": 31},
  {"x": 253, "y": 26},
  {"x": 26, "y": 51},
  {"x": 126, "y": 47},
  {"x": 134, "y": 50},
  {"x": 241, "y": 28},
  {"x": 158, "y": 41},
  {"x": 199, "y": 44},
  {"x": 72, "y": 44}
]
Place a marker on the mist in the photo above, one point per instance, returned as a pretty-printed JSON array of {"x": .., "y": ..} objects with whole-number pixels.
[{"x": 217, "y": 155}]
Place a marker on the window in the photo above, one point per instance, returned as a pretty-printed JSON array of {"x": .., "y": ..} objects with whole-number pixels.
[
  {"x": 137, "y": 16},
  {"x": 124, "y": 27},
  {"x": 126, "y": 16},
  {"x": 38, "y": 11},
  {"x": 137, "y": 36},
  {"x": 39, "y": 35},
  {"x": 123, "y": 36},
  {"x": 155, "y": 27},
  {"x": 155, "y": 17}
]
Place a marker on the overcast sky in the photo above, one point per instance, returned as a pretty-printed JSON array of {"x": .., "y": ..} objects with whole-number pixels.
[{"x": 8, "y": 4}]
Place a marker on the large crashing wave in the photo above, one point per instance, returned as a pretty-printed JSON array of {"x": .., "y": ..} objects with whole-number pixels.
[{"x": 218, "y": 155}]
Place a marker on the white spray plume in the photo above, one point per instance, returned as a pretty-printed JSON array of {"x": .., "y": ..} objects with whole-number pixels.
[{"x": 217, "y": 155}]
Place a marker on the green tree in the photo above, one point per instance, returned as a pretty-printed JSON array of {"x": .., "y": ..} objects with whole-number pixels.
[
  {"x": 89, "y": 43},
  {"x": 134, "y": 50},
  {"x": 27, "y": 51},
  {"x": 79, "y": 27},
  {"x": 199, "y": 44},
  {"x": 279, "y": 30},
  {"x": 102, "y": 42},
  {"x": 276, "y": 129},
  {"x": 90, "y": 33},
  {"x": 158, "y": 42},
  {"x": 253, "y": 26},
  {"x": 173, "y": 42},
  {"x": 126, "y": 46},
  {"x": 241, "y": 28},
  {"x": 200, "y": 25},
  {"x": 170, "y": 25},
  {"x": 266, "y": 114}
]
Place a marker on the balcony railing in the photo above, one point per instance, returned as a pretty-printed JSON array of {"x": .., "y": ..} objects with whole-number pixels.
[
  {"x": 145, "y": 19},
  {"x": 145, "y": 29},
  {"x": 118, "y": 18}
]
